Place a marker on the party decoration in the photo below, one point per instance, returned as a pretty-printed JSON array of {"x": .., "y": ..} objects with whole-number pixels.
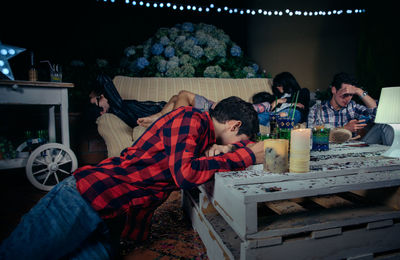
[
  {"x": 6, "y": 53},
  {"x": 239, "y": 11}
]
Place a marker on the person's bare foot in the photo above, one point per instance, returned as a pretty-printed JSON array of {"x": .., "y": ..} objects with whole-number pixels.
[{"x": 148, "y": 120}]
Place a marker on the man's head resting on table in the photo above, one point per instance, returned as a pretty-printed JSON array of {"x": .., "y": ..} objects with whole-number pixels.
[{"x": 234, "y": 120}]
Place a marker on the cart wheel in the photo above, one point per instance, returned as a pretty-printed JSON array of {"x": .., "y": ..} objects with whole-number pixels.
[{"x": 49, "y": 164}]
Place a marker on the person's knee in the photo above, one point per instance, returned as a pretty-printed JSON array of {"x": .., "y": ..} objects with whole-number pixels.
[
  {"x": 186, "y": 95},
  {"x": 174, "y": 98}
]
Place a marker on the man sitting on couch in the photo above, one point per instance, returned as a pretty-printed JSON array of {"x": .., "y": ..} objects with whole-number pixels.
[
  {"x": 181, "y": 150},
  {"x": 342, "y": 112}
]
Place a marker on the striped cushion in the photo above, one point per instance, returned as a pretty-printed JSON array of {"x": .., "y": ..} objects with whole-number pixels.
[{"x": 161, "y": 89}]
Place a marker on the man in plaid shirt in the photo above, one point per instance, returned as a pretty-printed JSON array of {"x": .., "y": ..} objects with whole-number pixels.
[
  {"x": 342, "y": 111},
  {"x": 180, "y": 150}
]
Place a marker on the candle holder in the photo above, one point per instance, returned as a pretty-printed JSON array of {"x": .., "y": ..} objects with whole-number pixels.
[
  {"x": 276, "y": 155},
  {"x": 320, "y": 138},
  {"x": 285, "y": 125}
]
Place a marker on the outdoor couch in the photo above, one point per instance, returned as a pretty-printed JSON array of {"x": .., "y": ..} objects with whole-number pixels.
[{"x": 118, "y": 135}]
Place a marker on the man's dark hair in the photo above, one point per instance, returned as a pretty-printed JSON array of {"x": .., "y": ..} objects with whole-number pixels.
[
  {"x": 235, "y": 108},
  {"x": 345, "y": 78},
  {"x": 287, "y": 81},
  {"x": 262, "y": 97}
]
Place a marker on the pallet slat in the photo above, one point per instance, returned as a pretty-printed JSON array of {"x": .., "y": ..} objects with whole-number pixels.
[
  {"x": 331, "y": 201},
  {"x": 285, "y": 207}
]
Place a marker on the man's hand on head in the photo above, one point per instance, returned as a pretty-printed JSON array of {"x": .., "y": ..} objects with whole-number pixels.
[{"x": 350, "y": 90}]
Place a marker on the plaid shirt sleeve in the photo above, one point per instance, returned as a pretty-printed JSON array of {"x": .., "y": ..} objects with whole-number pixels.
[
  {"x": 188, "y": 169},
  {"x": 262, "y": 107},
  {"x": 360, "y": 110}
]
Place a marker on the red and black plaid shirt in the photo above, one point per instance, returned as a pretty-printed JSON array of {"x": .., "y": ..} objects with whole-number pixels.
[{"x": 167, "y": 157}]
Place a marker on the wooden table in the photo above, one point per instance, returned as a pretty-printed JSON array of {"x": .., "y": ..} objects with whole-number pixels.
[{"x": 328, "y": 212}]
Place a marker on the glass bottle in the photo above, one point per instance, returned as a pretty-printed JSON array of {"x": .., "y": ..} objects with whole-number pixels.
[{"x": 33, "y": 74}]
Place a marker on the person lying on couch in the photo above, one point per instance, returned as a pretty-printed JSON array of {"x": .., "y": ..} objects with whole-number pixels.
[
  {"x": 284, "y": 87},
  {"x": 107, "y": 100},
  {"x": 181, "y": 150},
  {"x": 266, "y": 102}
]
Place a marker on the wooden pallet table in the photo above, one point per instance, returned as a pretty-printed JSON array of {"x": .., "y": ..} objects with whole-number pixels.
[{"x": 344, "y": 207}]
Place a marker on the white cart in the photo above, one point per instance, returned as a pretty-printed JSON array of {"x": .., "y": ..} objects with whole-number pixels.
[{"x": 51, "y": 162}]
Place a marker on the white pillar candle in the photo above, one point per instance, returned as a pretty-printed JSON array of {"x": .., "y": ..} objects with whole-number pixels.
[
  {"x": 300, "y": 150},
  {"x": 276, "y": 155}
]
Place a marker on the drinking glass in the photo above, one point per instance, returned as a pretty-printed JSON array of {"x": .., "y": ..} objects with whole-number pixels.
[{"x": 320, "y": 139}]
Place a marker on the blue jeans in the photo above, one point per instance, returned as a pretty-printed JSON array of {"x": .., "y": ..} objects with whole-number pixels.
[
  {"x": 263, "y": 118},
  {"x": 61, "y": 224},
  {"x": 379, "y": 134}
]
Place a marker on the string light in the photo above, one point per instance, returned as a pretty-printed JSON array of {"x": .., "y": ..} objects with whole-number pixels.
[{"x": 230, "y": 10}]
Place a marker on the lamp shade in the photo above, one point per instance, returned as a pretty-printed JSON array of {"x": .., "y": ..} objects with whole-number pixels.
[{"x": 389, "y": 106}]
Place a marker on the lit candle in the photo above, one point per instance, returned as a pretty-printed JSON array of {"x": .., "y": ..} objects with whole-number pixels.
[
  {"x": 276, "y": 155},
  {"x": 300, "y": 150}
]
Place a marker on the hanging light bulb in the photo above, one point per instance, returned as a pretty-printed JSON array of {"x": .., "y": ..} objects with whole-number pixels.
[{"x": 259, "y": 11}]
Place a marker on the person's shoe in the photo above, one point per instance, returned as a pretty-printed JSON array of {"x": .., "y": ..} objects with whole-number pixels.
[{"x": 339, "y": 135}]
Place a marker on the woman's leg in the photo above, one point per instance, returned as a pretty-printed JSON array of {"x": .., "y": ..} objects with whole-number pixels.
[
  {"x": 184, "y": 98},
  {"x": 148, "y": 120}
]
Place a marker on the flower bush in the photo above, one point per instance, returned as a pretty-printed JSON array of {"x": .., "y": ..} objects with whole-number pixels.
[
  {"x": 185, "y": 50},
  {"x": 188, "y": 50}
]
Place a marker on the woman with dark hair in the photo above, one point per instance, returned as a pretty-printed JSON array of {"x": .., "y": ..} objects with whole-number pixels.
[{"x": 286, "y": 86}]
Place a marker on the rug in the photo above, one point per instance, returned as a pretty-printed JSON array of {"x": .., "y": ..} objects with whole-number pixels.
[{"x": 172, "y": 235}]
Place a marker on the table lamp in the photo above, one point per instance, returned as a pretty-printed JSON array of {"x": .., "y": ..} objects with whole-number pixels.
[{"x": 389, "y": 113}]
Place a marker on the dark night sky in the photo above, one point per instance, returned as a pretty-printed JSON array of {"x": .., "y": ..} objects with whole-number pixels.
[
  {"x": 63, "y": 30},
  {"x": 60, "y": 31}
]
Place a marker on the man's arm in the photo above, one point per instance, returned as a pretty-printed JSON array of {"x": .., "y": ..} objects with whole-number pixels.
[
  {"x": 367, "y": 99},
  {"x": 188, "y": 170},
  {"x": 350, "y": 89}
]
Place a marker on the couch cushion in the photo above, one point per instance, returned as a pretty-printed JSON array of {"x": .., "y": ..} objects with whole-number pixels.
[
  {"x": 162, "y": 89},
  {"x": 116, "y": 134}
]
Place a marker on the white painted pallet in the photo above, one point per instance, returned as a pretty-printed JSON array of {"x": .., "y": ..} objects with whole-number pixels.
[
  {"x": 362, "y": 240},
  {"x": 236, "y": 195},
  {"x": 340, "y": 160}
]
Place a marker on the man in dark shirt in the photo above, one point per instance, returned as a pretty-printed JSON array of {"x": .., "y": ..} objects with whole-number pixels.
[
  {"x": 181, "y": 150},
  {"x": 107, "y": 100}
]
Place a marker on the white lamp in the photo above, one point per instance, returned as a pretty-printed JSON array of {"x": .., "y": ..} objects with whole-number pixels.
[{"x": 389, "y": 113}]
